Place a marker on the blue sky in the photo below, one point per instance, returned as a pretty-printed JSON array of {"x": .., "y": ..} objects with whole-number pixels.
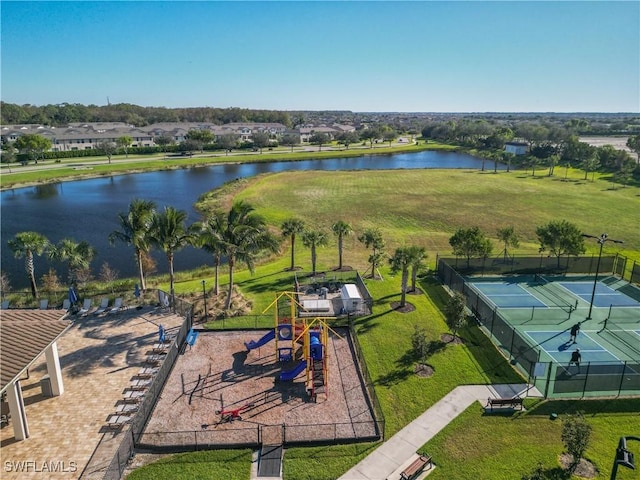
[{"x": 361, "y": 56}]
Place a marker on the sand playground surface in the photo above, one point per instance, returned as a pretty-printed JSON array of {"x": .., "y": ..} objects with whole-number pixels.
[{"x": 218, "y": 372}]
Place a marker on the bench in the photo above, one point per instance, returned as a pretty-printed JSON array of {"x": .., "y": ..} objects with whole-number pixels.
[
  {"x": 504, "y": 402},
  {"x": 416, "y": 467}
]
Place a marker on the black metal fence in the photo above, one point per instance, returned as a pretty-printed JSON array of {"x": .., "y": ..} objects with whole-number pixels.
[
  {"x": 553, "y": 379},
  {"x": 127, "y": 442},
  {"x": 367, "y": 381}
]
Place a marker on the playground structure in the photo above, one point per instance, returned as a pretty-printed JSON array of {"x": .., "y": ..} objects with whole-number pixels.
[{"x": 289, "y": 333}]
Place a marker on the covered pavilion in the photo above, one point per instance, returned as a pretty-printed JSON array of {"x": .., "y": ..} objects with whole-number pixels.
[{"x": 25, "y": 336}]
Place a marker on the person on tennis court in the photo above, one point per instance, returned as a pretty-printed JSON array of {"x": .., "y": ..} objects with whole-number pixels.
[
  {"x": 575, "y": 358},
  {"x": 574, "y": 332}
]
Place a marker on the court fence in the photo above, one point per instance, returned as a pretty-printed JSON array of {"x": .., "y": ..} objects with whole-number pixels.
[{"x": 552, "y": 379}]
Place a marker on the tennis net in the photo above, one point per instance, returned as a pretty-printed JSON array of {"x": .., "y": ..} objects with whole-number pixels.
[
  {"x": 628, "y": 338},
  {"x": 546, "y": 288}
]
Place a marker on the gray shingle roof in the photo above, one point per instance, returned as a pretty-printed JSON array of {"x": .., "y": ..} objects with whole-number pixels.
[{"x": 25, "y": 336}]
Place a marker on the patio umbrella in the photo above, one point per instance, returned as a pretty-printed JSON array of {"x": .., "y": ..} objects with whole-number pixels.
[
  {"x": 136, "y": 291},
  {"x": 161, "y": 334},
  {"x": 73, "y": 296}
]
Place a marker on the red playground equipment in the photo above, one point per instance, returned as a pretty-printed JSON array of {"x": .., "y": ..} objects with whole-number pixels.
[{"x": 232, "y": 414}]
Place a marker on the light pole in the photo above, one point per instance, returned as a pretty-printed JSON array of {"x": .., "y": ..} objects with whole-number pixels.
[
  {"x": 204, "y": 298},
  {"x": 601, "y": 240},
  {"x": 623, "y": 456}
]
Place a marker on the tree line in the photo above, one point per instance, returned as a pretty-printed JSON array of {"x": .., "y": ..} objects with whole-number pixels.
[{"x": 63, "y": 114}]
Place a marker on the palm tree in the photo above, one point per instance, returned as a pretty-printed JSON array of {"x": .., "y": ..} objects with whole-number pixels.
[
  {"x": 341, "y": 229},
  {"x": 313, "y": 239},
  {"x": 169, "y": 234},
  {"x": 243, "y": 237},
  {"x": 290, "y": 228},
  {"x": 77, "y": 255},
  {"x": 209, "y": 235},
  {"x": 26, "y": 244},
  {"x": 134, "y": 230},
  {"x": 372, "y": 238},
  {"x": 417, "y": 257},
  {"x": 400, "y": 262}
]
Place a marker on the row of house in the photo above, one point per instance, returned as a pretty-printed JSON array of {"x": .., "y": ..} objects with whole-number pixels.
[{"x": 86, "y": 136}]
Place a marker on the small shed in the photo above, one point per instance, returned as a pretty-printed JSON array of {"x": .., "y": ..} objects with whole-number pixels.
[{"x": 351, "y": 299}]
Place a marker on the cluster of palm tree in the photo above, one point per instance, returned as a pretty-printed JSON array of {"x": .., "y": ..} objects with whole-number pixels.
[
  {"x": 238, "y": 235},
  {"x": 77, "y": 255},
  {"x": 405, "y": 259}
]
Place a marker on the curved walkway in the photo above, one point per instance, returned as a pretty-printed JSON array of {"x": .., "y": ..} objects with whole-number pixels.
[{"x": 388, "y": 460}]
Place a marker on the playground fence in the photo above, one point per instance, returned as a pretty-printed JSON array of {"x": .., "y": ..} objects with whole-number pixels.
[
  {"x": 595, "y": 379},
  {"x": 125, "y": 450},
  {"x": 378, "y": 414}
]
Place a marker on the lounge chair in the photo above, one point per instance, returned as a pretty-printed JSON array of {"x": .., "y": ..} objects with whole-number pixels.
[
  {"x": 117, "y": 306},
  {"x": 66, "y": 304},
  {"x": 5, "y": 305},
  {"x": 44, "y": 304},
  {"x": 118, "y": 421},
  {"x": 126, "y": 408},
  {"x": 104, "y": 306},
  {"x": 86, "y": 306}
]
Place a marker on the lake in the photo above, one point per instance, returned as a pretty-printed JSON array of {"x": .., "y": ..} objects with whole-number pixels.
[{"x": 87, "y": 209}]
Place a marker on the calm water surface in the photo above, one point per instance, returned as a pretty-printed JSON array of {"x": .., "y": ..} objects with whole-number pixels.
[{"x": 87, "y": 209}]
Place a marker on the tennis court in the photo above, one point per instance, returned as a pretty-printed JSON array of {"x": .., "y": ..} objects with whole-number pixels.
[
  {"x": 530, "y": 318},
  {"x": 604, "y": 295}
]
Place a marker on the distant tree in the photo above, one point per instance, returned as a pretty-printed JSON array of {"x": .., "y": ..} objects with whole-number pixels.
[
  {"x": 108, "y": 148},
  {"x": 313, "y": 239},
  {"x": 470, "y": 242},
  {"x": 454, "y": 313},
  {"x": 590, "y": 164},
  {"x": 51, "y": 283},
  {"x": 552, "y": 161},
  {"x": 341, "y": 229},
  {"x": 417, "y": 257},
  {"x": 108, "y": 275},
  {"x": 508, "y": 236},
  {"x": 348, "y": 138},
  {"x": 190, "y": 145},
  {"x": 319, "y": 139},
  {"x": 135, "y": 225},
  {"x": 624, "y": 174},
  {"x": 5, "y": 285},
  {"x": 28, "y": 244},
  {"x": 260, "y": 140},
  {"x": 203, "y": 137},
  {"x": 33, "y": 145},
  {"x": 125, "y": 142},
  {"x": 289, "y": 140},
  {"x": 227, "y": 142},
  {"x": 148, "y": 264},
  {"x": 8, "y": 153},
  {"x": 508, "y": 158},
  {"x": 372, "y": 238},
  {"x": 78, "y": 256},
  {"x": 290, "y": 228},
  {"x": 633, "y": 142},
  {"x": 560, "y": 238},
  {"x": 576, "y": 433},
  {"x": 170, "y": 234},
  {"x": 163, "y": 141},
  {"x": 371, "y": 134},
  {"x": 400, "y": 262},
  {"x": 389, "y": 134}
]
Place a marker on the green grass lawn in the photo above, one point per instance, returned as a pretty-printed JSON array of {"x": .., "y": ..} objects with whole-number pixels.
[{"x": 425, "y": 207}]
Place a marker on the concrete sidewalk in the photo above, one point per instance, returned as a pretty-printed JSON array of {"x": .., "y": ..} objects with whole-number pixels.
[{"x": 400, "y": 449}]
